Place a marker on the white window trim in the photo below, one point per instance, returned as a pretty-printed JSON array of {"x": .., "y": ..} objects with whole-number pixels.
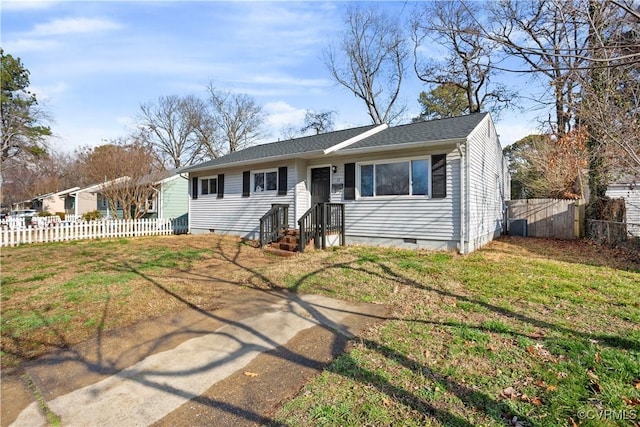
[
  {"x": 395, "y": 197},
  {"x": 264, "y": 171},
  {"x": 201, "y": 178}
]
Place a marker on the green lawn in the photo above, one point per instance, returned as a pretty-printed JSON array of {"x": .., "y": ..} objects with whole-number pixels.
[
  {"x": 524, "y": 332},
  {"x": 515, "y": 335}
]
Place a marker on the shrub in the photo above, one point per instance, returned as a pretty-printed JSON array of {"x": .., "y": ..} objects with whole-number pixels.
[
  {"x": 44, "y": 213},
  {"x": 60, "y": 215},
  {"x": 92, "y": 216}
]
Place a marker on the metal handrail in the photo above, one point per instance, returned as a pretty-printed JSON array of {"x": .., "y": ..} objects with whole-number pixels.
[{"x": 274, "y": 223}]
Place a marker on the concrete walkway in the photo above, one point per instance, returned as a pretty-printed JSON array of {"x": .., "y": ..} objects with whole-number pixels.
[{"x": 179, "y": 370}]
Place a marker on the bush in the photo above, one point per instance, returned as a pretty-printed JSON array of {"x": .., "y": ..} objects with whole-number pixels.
[
  {"x": 61, "y": 215},
  {"x": 44, "y": 213},
  {"x": 92, "y": 216}
]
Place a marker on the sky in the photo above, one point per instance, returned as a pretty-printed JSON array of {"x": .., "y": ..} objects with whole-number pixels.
[{"x": 93, "y": 63}]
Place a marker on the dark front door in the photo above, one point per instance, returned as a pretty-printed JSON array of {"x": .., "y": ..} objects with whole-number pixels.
[{"x": 320, "y": 185}]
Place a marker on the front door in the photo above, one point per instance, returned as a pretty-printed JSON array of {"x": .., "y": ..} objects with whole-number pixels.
[{"x": 320, "y": 185}]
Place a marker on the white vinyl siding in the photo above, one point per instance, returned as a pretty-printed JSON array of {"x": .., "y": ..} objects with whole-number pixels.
[
  {"x": 237, "y": 215},
  {"x": 487, "y": 188},
  {"x": 631, "y": 196},
  {"x": 395, "y": 218}
]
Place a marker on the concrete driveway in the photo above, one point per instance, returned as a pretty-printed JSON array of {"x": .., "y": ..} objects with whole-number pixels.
[{"x": 232, "y": 366}]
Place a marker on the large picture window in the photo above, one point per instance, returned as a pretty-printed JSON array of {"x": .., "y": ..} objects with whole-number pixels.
[
  {"x": 265, "y": 181},
  {"x": 403, "y": 178}
]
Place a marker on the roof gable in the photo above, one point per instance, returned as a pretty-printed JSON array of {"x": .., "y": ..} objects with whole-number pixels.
[{"x": 430, "y": 131}]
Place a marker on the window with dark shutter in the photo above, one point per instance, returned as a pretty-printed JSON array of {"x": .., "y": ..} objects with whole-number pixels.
[
  {"x": 220, "y": 186},
  {"x": 194, "y": 188},
  {"x": 350, "y": 181},
  {"x": 246, "y": 183},
  {"x": 439, "y": 176},
  {"x": 282, "y": 181}
]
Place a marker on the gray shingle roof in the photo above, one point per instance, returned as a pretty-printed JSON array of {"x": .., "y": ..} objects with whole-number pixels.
[
  {"x": 433, "y": 130},
  {"x": 291, "y": 147}
]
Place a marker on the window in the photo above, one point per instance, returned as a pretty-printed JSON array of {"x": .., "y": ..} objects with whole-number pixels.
[
  {"x": 208, "y": 186},
  {"x": 404, "y": 178},
  {"x": 150, "y": 205},
  {"x": 265, "y": 181}
]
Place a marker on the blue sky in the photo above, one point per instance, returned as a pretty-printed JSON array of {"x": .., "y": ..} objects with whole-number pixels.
[{"x": 93, "y": 63}]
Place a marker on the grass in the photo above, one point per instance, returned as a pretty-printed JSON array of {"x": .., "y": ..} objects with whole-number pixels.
[
  {"x": 524, "y": 332},
  {"x": 520, "y": 332}
]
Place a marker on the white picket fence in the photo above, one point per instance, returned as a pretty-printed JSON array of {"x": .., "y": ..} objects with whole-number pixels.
[{"x": 66, "y": 231}]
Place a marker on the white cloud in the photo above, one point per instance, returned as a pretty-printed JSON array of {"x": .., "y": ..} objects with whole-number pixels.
[
  {"x": 44, "y": 93},
  {"x": 30, "y": 45},
  {"x": 74, "y": 26},
  {"x": 20, "y": 5},
  {"x": 281, "y": 114}
]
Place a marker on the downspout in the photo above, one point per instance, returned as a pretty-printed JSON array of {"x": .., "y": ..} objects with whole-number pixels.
[
  {"x": 467, "y": 175},
  {"x": 462, "y": 199}
]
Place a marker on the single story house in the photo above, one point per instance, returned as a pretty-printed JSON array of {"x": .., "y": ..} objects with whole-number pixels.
[
  {"x": 88, "y": 199},
  {"x": 53, "y": 202},
  {"x": 440, "y": 184},
  {"x": 628, "y": 188},
  {"x": 171, "y": 200}
]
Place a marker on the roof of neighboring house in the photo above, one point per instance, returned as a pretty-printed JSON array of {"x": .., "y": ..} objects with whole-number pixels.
[
  {"x": 626, "y": 180},
  {"x": 96, "y": 188},
  {"x": 290, "y": 147},
  {"x": 59, "y": 193},
  {"x": 371, "y": 138}
]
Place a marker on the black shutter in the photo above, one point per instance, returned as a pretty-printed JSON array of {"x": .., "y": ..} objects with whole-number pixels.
[
  {"x": 350, "y": 181},
  {"x": 246, "y": 183},
  {"x": 194, "y": 188},
  {"x": 439, "y": 176},
  {"x": 220, "y": 186},
  {"x": 282, "y": 181}
]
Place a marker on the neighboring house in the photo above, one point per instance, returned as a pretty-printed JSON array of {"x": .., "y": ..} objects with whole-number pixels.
[
  {"x": 172, "y": 197},
  {"x": 53, "y": 202},
  {"x": 628, "y": 188},
  {"x": 439, "y": 184},
  {"x": 25, "y": 204},
  {"x": 88, "y": 199}
]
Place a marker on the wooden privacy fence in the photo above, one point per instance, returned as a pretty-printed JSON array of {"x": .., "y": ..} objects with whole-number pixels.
[
  {"x": 556, "y": 218},
  {"x": 66, "y": 231}
]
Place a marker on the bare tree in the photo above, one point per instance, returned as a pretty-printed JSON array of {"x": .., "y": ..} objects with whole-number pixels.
[
  {"x": 238, "y": 117},
  {"x": 468, "y": 63},
  {"x": 46, "y": 173},
  {"x": 178, "y": 127},
  {"x": 550, "y": 37},
  {"x": 370, "y": 61},
  {"x": 318, "y": 122},
  {"x": 127, "y": 171}
]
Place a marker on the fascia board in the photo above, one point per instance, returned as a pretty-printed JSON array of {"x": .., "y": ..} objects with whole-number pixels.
[{"x": 355, "y": 139}]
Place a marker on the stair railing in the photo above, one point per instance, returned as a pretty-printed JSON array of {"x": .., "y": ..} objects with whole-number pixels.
[
  {"x": 274, "y": 223},
  {"x": 319, "y": 221}
]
